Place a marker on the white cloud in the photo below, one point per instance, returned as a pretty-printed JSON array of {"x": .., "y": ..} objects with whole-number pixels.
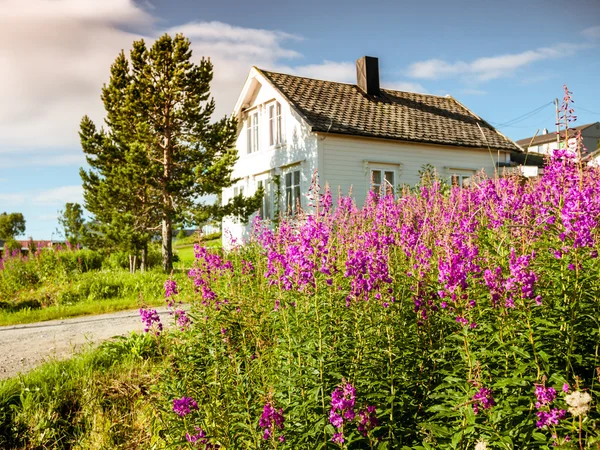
[
  {"x": 406, "y": 86},
  {"x": 473, "y": 92},
  {"x": 592, "y": 32},
  {"x": 488, "y": 68},
  {"x": 343, "y": 72},
  {"x": 233, "y": 51},
  {"x": 59, "y": 196},
  {"x": 43, "y": 159},
  {"x": 58, "y": 54},
  {"x": 12, "y": 199}
]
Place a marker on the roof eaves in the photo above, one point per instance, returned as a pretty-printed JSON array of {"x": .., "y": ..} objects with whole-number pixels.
[
  {"x": 420, "y": 141},
  {"x": 517, "y": 147}
]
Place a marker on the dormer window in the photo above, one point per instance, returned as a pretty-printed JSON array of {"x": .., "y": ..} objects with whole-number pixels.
[
  {"x": 252, "y": 131},
  {"x": 275, "y": 129}
]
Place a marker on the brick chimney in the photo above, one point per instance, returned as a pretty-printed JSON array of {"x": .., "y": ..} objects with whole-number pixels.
[{"x": 367, "y": 74}]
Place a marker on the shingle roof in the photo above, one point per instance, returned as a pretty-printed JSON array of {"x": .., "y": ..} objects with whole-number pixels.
[
  {"x": 344, "y": 109},
  {"x": 550, "y": 137}
]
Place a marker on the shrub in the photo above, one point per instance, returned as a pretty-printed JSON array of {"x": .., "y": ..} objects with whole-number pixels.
[{"x": 428, "y": 321}]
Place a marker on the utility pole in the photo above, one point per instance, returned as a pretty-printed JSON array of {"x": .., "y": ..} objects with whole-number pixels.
[{"x": 557, "y": 125}]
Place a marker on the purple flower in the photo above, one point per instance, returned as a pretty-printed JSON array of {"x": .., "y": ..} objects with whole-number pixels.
[
  {"x": 565, "y": 387},
  {"x": 271, "y": 420},
  {"x": 338, "y": 438},
  {"x": 198, "y": 437},
  {"x": 544, "y": 395},
  {"x": 183, "y": 321},
  {"x": 551, "y": 417},
  {"x": 170, "y": 288},
  {"x": 483, "y": 398},
  {"x": 367, "y": 420},
  {"x": 184, "y": 406},
  {"x": 151, "y": 320}
]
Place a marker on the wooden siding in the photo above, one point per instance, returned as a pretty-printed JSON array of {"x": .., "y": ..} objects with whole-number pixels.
[{"x": 347, "y": 161}]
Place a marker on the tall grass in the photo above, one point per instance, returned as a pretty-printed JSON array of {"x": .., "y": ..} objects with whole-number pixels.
[{"x": 97, "y": 400}]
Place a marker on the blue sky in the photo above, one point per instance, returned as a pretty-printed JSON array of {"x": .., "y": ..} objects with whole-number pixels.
[{"x": 501, "y": 59}]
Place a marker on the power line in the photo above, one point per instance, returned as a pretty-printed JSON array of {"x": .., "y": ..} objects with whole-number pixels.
[
  {"x": 586, "y": 110},
  {"x": 523, "y": 116}
]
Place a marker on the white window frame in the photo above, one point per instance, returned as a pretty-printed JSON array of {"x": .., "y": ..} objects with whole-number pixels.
[
  {"x": 383, "y": 170},
  {"x": 252, "y": 132},
  {"x": 265, "y": 212},
  {"x": 461, "y": 177},
  {"x": 292, "y": 193},
  {"x": 275, "y": 119},
  {"x": 237, "y": 190}
]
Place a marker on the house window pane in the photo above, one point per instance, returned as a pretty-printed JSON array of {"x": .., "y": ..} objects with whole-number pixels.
[
  {"x": 255, "y": 133},
  {"x": 272, "y": 125},
  {"x": 292, "y": 192},
  {"x": 376, "y": 177},
  {"x": 296, "y": 198},
  {"x": 279, "y": 127},
  {"x": 376, "y": 182},
  {"x": 252, "y": 133},
  {"x": 249, "y": 135},
  {"x": 389, "y": 185},
  {"x": 265, "y": 209}
]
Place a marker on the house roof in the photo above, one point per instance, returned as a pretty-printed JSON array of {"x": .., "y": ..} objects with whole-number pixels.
[
  {"x": 342, "y": 108},
  {"x": 549, "y": 137}
]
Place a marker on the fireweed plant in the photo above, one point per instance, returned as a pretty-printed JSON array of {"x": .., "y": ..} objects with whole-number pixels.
[{"x": 427, "y": 320}]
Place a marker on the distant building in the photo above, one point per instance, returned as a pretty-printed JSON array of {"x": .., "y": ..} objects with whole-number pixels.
[{"x": 544, "y": 143}]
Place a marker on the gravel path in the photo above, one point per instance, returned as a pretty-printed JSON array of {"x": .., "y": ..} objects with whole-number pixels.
[{"x": 23, "y": 347}]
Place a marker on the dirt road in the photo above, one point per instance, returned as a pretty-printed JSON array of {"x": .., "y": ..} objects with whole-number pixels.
[{"x": 23, "y": 347}]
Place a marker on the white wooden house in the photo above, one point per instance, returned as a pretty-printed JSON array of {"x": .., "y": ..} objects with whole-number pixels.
[{"x": 357, "y": 136}]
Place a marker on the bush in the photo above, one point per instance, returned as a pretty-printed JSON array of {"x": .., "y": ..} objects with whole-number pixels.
[{"x": 429, "y": 321}]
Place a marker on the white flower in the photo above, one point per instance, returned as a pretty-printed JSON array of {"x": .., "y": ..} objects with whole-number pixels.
[
  {"x": 481, "y": 445},
  {"x": 579, "y": 403}
]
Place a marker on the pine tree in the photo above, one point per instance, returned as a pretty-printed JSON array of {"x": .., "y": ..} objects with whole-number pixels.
[{"x": 160, "y": 151}]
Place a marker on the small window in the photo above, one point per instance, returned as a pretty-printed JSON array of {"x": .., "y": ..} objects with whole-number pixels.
[
  {"x": 462, "y": 179},
  {"x": 265, "y": 210},
  {"x": 292, "y": 192},
  {"x": 383, "y": 182},
  {"x": 252, "y": 132},
  {"x": 275, "y": 128},
  {"x": 238, "y": 190}
]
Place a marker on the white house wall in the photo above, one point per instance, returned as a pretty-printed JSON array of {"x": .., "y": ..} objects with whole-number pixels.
[
  {"x": 299, "y": 150},
  {"x": 347, "y": 161}
]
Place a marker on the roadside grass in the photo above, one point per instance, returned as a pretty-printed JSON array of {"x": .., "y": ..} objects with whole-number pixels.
[
  {"x": 186, "y": 252},
  {"x": 95, "y": 292},
  {"x": 29, "y": 315},
  {"x": 98, "y": 399}
]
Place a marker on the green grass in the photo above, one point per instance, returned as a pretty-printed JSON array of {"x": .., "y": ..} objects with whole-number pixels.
[
  {"x": 95, "y": 292},
  {"x": 186, "y": 252},
  {"x": 98, "y": 399},
  {"x": 29, "y": 315}
]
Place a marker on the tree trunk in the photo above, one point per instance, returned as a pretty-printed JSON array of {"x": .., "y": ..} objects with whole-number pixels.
[
  {"x": 167, "y": 248},
  {"x": 134, "y": 263},
  {"x": 144, "y": 257}
]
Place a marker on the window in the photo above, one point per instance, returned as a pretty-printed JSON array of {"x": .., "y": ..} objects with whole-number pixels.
[
  {"x": 265, "y": 209},
  {"x": 252, "y": 132},
  {"x": 383, "y": 181},
  {"x": 275, "y": 131},
  {"x": 462, "y": 178},
  {"x": 292, "y": 192},
  {"x": 238, "y": 190}
]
